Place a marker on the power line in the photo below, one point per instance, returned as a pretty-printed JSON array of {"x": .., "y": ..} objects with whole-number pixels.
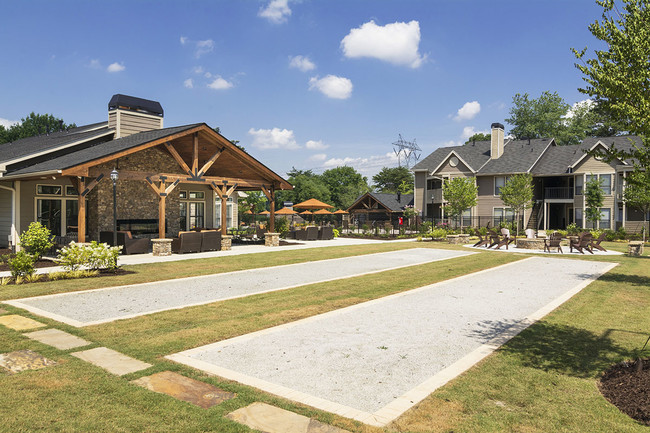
[{"x": 408, "y": 150}]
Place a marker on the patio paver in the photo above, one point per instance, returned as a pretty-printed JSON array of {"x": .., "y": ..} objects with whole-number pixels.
[
  {"x": 267, "y": 418},
  {"x": 20, "y": 323},
  {"x": 184, "y": 388},
  {"x": 23, "y": 360},
  {"x": 57, "y": 338},
  {"x": 111, "y": 361}
]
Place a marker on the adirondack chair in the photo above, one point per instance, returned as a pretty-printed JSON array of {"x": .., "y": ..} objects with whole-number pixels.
[
  {"x": 482, "y": 241},
  {"x": 494, "y": 238},
  {"x": 596, "y": 243},
  {"x": 583, "y": 243},
  {"x": 553, "y": 241},
  {"x": 506, "y": 239}
]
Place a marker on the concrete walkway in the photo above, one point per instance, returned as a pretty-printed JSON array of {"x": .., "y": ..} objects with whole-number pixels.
[
  {"x": 375, "y": 360},
  {"x": 91, "y": 307}
]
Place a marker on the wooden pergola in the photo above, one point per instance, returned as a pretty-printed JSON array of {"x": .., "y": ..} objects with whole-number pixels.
[{"x": 203, "y": 156}]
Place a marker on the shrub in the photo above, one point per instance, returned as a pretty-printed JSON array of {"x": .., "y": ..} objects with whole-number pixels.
[
  {"x": 21, "y": 264},
  {"x": 4, "y": 281},
  {"x": 102, "y": 256},
  {"x": 336, "y": 233},
  {"x": 438, "y": 233},
  {"x": 573, "y": 229},
  {"x": 425, "y": 227},
  {"x": 73, "y": 256},
  {"x": 37, "y": 240},
  {"x": 365, "y": 228},
  {"x": 55, "y": 276},
  {"x": 282, "y": 226},
  {"x": 33, "y": 278}
]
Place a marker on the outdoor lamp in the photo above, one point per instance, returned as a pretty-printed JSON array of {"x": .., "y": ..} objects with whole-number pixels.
[{"x": 114, "y": 176}]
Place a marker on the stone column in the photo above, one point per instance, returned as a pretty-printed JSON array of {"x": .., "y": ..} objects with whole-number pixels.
[
  {"x": 162, "y": 247},
  {"x": 635, "y": 248},
  {"x": 271, "y": 239},
  {"x": 226, "y": 242}
]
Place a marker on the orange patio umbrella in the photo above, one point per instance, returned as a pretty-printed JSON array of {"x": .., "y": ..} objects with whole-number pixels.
[
  {"x": 322, "y": 212},
  {"x": 264, "y": 213},
  {"x": 340, "y": 212},
  {"x": 312, "y": 203},
  {"x": 248, "y": 212},
  {"x": 286, "y": 211}
]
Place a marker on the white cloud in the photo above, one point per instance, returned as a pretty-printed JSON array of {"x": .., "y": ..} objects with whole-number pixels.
[
  {"x": 207, "y": 75},
  {"x": 396, "y": 43},
  {"x": 332, "y": 86},
  {"x": 8, "y": 123},
  {"x": 318, "y": 157},
  {"x": 316, "y": 145},
  {"x": 367, "y": 166},
  {"x": 451, "y": 143},
  {"x": 301, "y": 62},
  {"x": 94, "y": 63},
  {"x": 203, "y": 47},
  {"x": 468, "y": 131},
  {"x": 468, "y": 111},
  {"x": 188, "y": 83},
  {"x": 116, "y": 67},
  {"x": 275, "y": 138},
  {"x": 220, "y": 84},
  {"x": 277, "y": 11},
  {"x": 584, "y": 104},
  {"x": 184, "y": 40},
  {"x": 198, "y": 69}
]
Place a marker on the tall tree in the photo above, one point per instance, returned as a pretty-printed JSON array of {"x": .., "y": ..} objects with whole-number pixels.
[
  {"x": 306, "y": 185},
  {"x": 637, "y": 195},
  {"x": 389, "y": 179},
  {"x": 517, "y": 194},
  {"x": 345, "y": 184},
  {"x": 255, "y": 201},
  {"x": 479, "y": 136},
  {"x": 235, "y": 142},
  {"x": 460, "y": 193},
  {"x": 32, "y": 125},
  {"x": 593, "y": 199}
]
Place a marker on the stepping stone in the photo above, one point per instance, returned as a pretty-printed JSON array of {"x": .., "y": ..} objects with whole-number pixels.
[
  {"x": 20, "y": 323},
  {"x": 112, "y": 361},
  {"x": 270, "y": 419},
  {"x": 23, "y": 360},
  {"x": 183, "y": 388},
  {"x": 57, "y": 338}
]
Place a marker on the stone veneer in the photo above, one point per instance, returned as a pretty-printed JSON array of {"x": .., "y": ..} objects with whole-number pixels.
[
  {"x": 161, "y": 247},
  {"x": 272, "y": 239},
  {"x": 135, "y": 199},
  {"x": 635, "y": 248},
  {"x": 226, "y": 242}
]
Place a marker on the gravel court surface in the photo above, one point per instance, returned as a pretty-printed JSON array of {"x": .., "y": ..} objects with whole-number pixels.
[
  {"x": 104, "y": 305},
  {"x": 361, "y": 359}
]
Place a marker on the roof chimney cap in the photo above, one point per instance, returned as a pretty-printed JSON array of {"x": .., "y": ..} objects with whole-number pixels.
[
  {"x": 497, "y": 125},
  {"x": 135, "y": 104}
]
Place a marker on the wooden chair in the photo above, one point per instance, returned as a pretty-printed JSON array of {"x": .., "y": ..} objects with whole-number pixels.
[
  {"x": 583, "y": 243},
  {"x": 596, "y": 243},
  {"x": 506, "y": 239},
  {"x": 494, "y": 238},
  {"x": 482, "y": 241},
  {"x": 553, "y": 241}
]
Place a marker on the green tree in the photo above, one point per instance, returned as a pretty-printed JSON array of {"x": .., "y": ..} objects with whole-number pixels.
[
  {"x": 637, "y": 194},
  {"x": 460, "y": 193},
  {"x": 306, "y": 185},
  {"x": 593, "y": 199},
  {"x": 517, "y": 194},
  {"x": 479, "y": 136},
  {"x": 389, "y": 179},
  {"x": 235, "y": 142},
  {"x": 255, "y": 201},
  {"x": 618, "y": 77},
  {"x": 32, "y": 125},
  {"x": 345, "y": 184}
]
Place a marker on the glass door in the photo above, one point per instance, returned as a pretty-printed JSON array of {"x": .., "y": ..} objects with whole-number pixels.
[{"x": 48, "y": 213}]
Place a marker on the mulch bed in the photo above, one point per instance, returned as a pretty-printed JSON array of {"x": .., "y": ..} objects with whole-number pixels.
[
  {"x": 628, "y": 388},
  {"x": 43, "y": 263}
]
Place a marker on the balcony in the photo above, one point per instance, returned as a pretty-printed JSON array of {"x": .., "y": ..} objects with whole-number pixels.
[
  {"x": 434, "y": 195},
  {"x": 558, "y": 193}
]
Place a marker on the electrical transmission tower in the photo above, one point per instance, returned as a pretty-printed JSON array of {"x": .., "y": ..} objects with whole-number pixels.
[{"x": 407, "y": 151}]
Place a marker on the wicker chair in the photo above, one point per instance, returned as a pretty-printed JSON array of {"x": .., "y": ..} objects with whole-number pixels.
[
  {"x": 187, "y": 242},
  {"x": 129, "y": 244},
  {"x": 210, "y": 240}
]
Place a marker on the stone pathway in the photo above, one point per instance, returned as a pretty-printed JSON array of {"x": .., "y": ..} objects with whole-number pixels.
[
  {"x": 270, "y": 419},
  {"x": 20, "y": 323},
  {"x": 111, "y": 361},
  {"x": 22, "y": 360},
  {"x": 58, "y": 339},
  {"x": 183, "y": 388}
]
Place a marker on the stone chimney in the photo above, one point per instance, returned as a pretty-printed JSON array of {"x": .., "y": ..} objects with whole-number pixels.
[
  {"x": 130, "y": 115},
  {"x": 496, "y": 149}
]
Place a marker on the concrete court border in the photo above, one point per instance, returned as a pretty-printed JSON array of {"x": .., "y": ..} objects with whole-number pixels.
[
  {"x": 20, "y": 303},
  {"x": 409, "y": 399}
]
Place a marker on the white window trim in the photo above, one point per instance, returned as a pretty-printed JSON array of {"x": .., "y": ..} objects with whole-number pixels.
[
  {"x": 49, "y": 195},
  {"x": 64, "y": 208}
]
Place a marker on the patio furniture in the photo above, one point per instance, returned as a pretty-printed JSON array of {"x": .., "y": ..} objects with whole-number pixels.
[
  {"x": 312, "y": 233},
  {"x": 596, "y": 243},
  {"x": 300, "y": 235},
  {"x": 259, "y": 232},
  {"x": 187, "y": 242},
  {"x": 129, "y": 244},
  {"x": 506, "y": 239},
  {"x": 482, "y": 241},
  {"x": 530, "y": 234},
  {"x": 494, "y": 238},
  {"x": 325, "y": 233},
  {"x": 210, "y": 240},
  {"x": 583, "y": 243},
  {"x": 553, "y": 241}
]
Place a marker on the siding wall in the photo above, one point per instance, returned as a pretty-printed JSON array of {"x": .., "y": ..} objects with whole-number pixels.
[
  {"x": 420, "y": 191},
  {"x": 128, "y": 122},
  {"x": 487, "y": 201},
  {"x": 591, "y": 165},
  {"x": 5, "y": 217}
]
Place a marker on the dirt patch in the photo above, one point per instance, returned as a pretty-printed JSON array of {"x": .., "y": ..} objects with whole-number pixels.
[{"x": 627, "y": 386}]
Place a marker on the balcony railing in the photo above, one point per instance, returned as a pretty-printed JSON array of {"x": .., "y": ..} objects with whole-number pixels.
[
  {"x": 435, "y": 195},
  {"x": 558, "y": 193}
]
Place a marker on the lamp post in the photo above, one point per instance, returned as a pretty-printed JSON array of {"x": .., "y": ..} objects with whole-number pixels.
[{"x": 114, "y": 176}]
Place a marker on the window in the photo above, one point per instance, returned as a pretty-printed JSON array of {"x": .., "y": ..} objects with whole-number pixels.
[
  {"x": 578, "y": 219},
  {"x": 229, "y": 210},
  {"x": 196, "y": 214},
  {"x": 501, "y": 214},
  {"x": 197, "y": 195},
  {"x": 183, "y": 216},
  {"x": 48, "y": 189},
  {"x": 71, "y": 190},
  {"x": 579, "y": 184},
  {"x": 182, "y": 194},
  {"x": 467, "y": 217},
  {"x": 499, "y": 182},
  {"x": 606, "y": 183},
  {"x": 605, "y": 218},
  {"x": 48, "y": 213}
]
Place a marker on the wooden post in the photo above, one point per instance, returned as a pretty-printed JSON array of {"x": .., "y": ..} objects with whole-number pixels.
[
  {"x": 224, "y": 213},
  {"x": 81, "y": 215},
  {"x": 272, "y": 206},
  {"x": 161, "y": 216}
]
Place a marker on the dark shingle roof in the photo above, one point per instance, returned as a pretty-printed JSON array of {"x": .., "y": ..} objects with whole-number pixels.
[
  {"x": 475, "y": 154},
  {"x": 28, "y": 146},
  {"x": 558, "y": 158},
  {"x": 390, "y": 200},
  {"x": 100, "y": 150},
  {"x": 518, "y": 156}
]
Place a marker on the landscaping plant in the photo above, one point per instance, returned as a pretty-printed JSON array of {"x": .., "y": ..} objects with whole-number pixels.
[
  {"x": 21, "y": 265},
  {"x": 460, "y": 194},
  {"x": 37, "y": 240}
]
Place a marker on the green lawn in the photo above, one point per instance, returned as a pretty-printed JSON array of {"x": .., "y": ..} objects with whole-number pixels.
[{"x": 544, "y": 380}]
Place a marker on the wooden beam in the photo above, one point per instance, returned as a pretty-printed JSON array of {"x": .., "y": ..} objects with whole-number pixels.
[
  {"x": 230, "y": 190},
  {"x": 161, "y": 217},
  {"x": 266, "y": 192},
  {"x": 177, "y": 157},
  {"x": 171, "y": 187},
  {"x": 217, "y": 189},
  {"x": 81, "y": 214},
  {"x": 195, "y": 155},
  {"x": 91, "y": 185},
  {"x": 224, "y": 214},
  {"x": 183, "y": 178},
  {"x": 209, "y": 163},
  {"x": 272, "y": 216}
]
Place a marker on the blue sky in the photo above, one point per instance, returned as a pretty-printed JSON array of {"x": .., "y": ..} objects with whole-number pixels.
[{"x": 305, "y": 83}]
